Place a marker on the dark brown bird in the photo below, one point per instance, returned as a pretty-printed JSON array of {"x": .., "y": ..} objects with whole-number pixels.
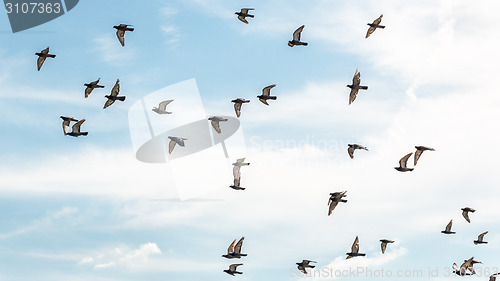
[
  {"x": 75, "y": 130},
  {"x": 91, "y": 86},
  {"x": 266, "y": 94},
  {"x": 352, "y": 147},
  {"x": 232, "y": 269},
  {"x": 403, "y": 162},
  {"x": 480, "y": 238},
  {"x": 420, "y": 150},
  {"x": 42, "y": 56},
  {"x": 355, "y": 250},
  {"x": 296, "y": 38},
  {"x": 465, "y": 213},
  {"x": 374, "y": 26},
  {"x": 65, "y": 123},
  {"x": 447, "y": 230},
  {"x": 334, "y": 200},
  {"x": 384, "y": 243},
  {"x": 237, "y": 105},
  {"x": 243, "y": 14},
  {"x": 120, "y": 32},
  {"x": 114, "y": 95},
  {"x": 355, "y": 87},
  {"x": 303, "y": 265}
]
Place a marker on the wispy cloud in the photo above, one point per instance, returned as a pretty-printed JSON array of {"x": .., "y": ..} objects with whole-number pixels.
[{"x": 123, "y": 256}]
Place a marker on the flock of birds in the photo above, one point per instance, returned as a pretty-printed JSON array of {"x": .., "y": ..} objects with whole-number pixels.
[{"x": 234, "y": 250}]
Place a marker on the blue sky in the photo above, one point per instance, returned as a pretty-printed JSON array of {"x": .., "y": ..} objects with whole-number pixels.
[{"x": 85, "y": 208}]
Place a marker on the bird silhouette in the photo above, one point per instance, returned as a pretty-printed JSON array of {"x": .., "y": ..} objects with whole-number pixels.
[
  {"x": 243, "y": 14},
  {"x": 480, "y": 238},
  {"x": 120, "y": 32},
  {"x": 161, "y": 109},
  {"x": 296, "y": 38},
  {"x": 42, "y": 56},
  {"x": 234, "y": 250},
  {"x": 173, "y": 142},
  {"x": 447, "y": 230},
  {"x": 420, "y": 150},
  {"x": 266, "y": 94},
  {"x": 355, "y": 87},
  {"x": 114, "y": 95},
  {"x": 460, "y": 271},
  {"x": 383, "y": 244},
  {"x": 215, "y": 121},
  {"x": 374, "y": 26},
  {"x": 352, "y": 147},
  {"x": 65, "y": 123},
  {"x": 75, "y": 130},
  {"x": 91, "y": 86},
  {"x": 355, "y": 250},
  {"x": 303, "y": 265},
  {"x": 237, "y": 105},
  {"x": 233, "y": 269},
  {"x": 465, "y": 213},
  {"x": 334, "y": 200}
]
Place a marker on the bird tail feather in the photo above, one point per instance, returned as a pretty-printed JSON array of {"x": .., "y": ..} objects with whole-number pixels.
[
  {"x": 363, "y": 87},
  {"x": 120, "y": 98}
]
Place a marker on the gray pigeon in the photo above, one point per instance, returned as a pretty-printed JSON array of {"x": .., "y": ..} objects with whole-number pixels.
[
  {"x": 296, "y": 38},
  {"x": 447, "y": 230},
  {"x": 234, "y": 250},
  {"x": 42, "y": 56},
  {"x": 465, "y": 213},
  {"x": 374, "y": 26},
  {"x": 65, "y": 123},
  {"x": 75, "y": 130},
  {"x": 216, "y": 123},
  {"x": 480, "y": 238},
  {"x": 384, "y": 243},
  {"x": 161, "y": 109},
  {"x": 232, "y": 269},
  {"x": 402, "y": 164},
  {"x": 173, "y": 142},
  {"x": 237, "y": 105},
  {"x": 355, "y": 87},
  {"x": 334, "y": 200},
  {"x": 266, "y": 94},
  {"x": 303, "y": 265},
  {"x": 243, "y": 14},
  {"x": 91, "y": 86},
  {"x": 420, "y": 150},
  {"x": 352, "y": 147},
  {"x": 355, "y": 250},
  {"x": 114, "y": 95},
  {"x": 120, "y": 32},
  {"x": 236, "y": 172}
]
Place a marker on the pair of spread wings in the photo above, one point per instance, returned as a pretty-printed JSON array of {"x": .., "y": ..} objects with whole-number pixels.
[
  {"x": 91, "y": 87},
  {"x": 41, "y": 59},
  {"x": 356, "y": 80},
  {"x": 75, "y": 128},
  {"x": 235, "y": 248},
  {"x": 120, "y": 33},
  {"x": 114, "y": 92},
  {"x": 266, "y": 92},
  {"x": 296, "y": 33},
  {"x": 372, "y": 29},
  {"x": 173, "y": 142},
  {"x": 244, "y": 11}
]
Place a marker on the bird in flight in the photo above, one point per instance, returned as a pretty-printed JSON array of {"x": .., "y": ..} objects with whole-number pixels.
[
  {"x": 91, "y": 86},
  {"x": 334, "y": 200},
  {"x": 374, "y": 26},
  {"x": 383, "y": 244},
  {"x": 42, "y": 56},
  {"x": 303, "y": 265},
  {"x": 65, "y": 123},
  {"x": 233, "y": 269},
  {"x": 266, "y": 94},
  {"x": 402, "y": 164},
  {"x": 355, "y": 87},
  {"x": 114, "y": 95},
  {"x": 243, "y": 14},
  {"x": 237, "y": 105},
  {"x": 236, "y": 173},
  {"x": 296, "y": 38},
  {"x": 352, "y": 147},
  {"x": 493, "y": 277},
  {"x": 173, "y": 142},
  {"x": 161, "y": 109},
  {"x": 420, "y": 150},
  {"x": 120, "y": 32},
  {"x": 234, "y": 250},
  {"x": 447, "y": 230},
  {"x": 465, "y": 213},
  {"x": 480, "y": 238},
  {"x": 215, "y": 121},
  {"x": 75, "y": 130},
  {"x": 355, "y": 250}
]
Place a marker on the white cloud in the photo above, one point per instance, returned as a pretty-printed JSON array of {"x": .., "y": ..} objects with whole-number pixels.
[
  {"x": 110, "y": 50},
  {"x": 123, "y": 256}
]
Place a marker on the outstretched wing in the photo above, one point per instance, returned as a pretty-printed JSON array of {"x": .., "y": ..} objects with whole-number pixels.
[
  {"x": 76, "y": 126},
  {"x": 378, "y": 20},
  {"x": 448, "y": 226},
  {"x": 417, "y": 156},
  {"x": 230, "y": 250},
  {"x": 264, "y": 101},
  {"x": 108, "y": 103},
  {"x": 356, "y": 79},
  {"x": 245, "y": 10},
  {"x": 163, "y": 104},
  {"x": 383, "y": 246},
  {"x": 296, "y": 34},
  {"x": 333, "y": 204},
  {"x": 466, "y": 216},
  {"x": 171, "y": 146},
  {"x": 237, "y": 108},
  {"x": 88, "y": 90},
  {"x": 404, "y": 160},
  {"x": 237, "y": 248},
  {"x": 371, "y": 29},
  {"x": 350, "y": 150},
  {"x": 355, "y": 245},
  {"x": 352, "y": 95},
  {"x": 39, "y": 62},
  {"x": 267, "y": 90},
  {"x": 241, "y": 18},
  {"x": 116, "y": 88},
  {"x": 216, "y": 126},
  {"x": 481, "y": 236},
  {"x": 233, "y": 267},
  {"x": 121, "y": 36}
]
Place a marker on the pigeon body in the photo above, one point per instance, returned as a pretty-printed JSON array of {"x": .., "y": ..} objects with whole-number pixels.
[
  {"x": 447, "y": 230},
  {"x": 303, "y": 265},
  {"x": 91, "y": 86},
  {"x": 75, "y": 130},
  {"x": 355, "y": 250},
  {"x": 402, "y": 164},
  {"x": 215, "y": 121},
  {"x": 42, "y": 56},
  {"x": 355, "y": 87},
  {"x": 234, "y": 250},
  {"x": 237, "y": 105},
  {"x": 465, "y": 213},
  {"x": 352, "y": 147},
  {"x": 120, "y": 32},
  {"x": 243, "y": 14},
  {"x": 374, "y": 26},
  {"x": 233, "y": 269},
  {"x": 334, "y": 200},
  {"x": 173, "y": 142},
  {"x": 161, "y": 109},
  {"x": 420, "y": 150},
  {"x": 65, "y": 123},
  {"x": 383, "y": 244},
  {"x": 266, "y": 94},
  {"x": 114, "y": 95},
  {"x": 296, "y": 38},
  {"x": 480, "y": 238}
]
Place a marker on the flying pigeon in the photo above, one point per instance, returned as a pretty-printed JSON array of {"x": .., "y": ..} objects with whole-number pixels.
[
  {"x": 374, "y": 26},
  {"x": 383, "y": 244},
  {"x": 91, "y": 86},
  {"x": 334, "y": 200},
  {"x": 216, "y": 123},
  {"x": 447, "y": 230},
  {"x": 493, "y": 277},
  {"x": 42, "y": 56},
  {"x": 120, "y": 32},
  {"x": 353, "y": 147},
  {"x": 465, "y": 213},
  {"x": 236, "y": 169},
  {"x": 355, "y": 250},
  {"x": 402, "y": 164},
  {"x": 480, "y": 238},
  {"x": 460, "y": 271},
  {"x": 234, "y": 250},
  {"x": 161, "y": 109},
  {"x": 65, "y": 123},
  {"x": 296, "y": 38},
  {"x": 173, "y": 142},
  {"x": 469, "y": 265},
  {"x": 232, "y": 269},
  {"x": 303, "y": 265},
  {"x": 420, "y": 150},
  {"x": 237, "y": 105},
  {"x": 355, "y": 87},
  {"x": 266, "y": 94},
  {"x": 75, "y": 130},
  {"x": 243, "y": 14},
  {"x": 114, "y": 94}
]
